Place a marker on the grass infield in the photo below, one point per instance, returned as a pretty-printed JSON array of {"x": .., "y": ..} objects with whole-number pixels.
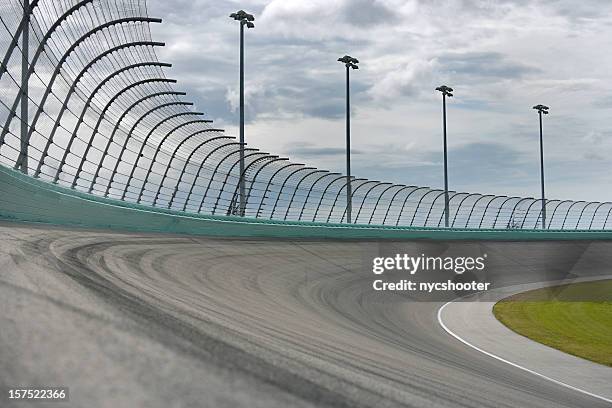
[{"x": 574, "y": 318}]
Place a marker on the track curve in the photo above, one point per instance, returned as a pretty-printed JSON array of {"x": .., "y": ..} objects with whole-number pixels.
[{"x": 135, "y": 320}]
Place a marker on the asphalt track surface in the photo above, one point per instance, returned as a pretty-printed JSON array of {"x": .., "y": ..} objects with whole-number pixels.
[
  {"x": 472, "y": 321},
  {"x": 135, "y": 320}
]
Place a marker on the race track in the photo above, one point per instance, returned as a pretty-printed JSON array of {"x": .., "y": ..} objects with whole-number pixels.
[{"x": 131, "y": 320}]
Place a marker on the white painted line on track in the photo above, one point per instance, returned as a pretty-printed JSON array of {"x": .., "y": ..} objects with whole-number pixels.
[{"x": 467, "y": 343}]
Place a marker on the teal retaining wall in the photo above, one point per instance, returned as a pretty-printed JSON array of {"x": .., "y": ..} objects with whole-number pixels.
[{"x": 23, "y": 198}]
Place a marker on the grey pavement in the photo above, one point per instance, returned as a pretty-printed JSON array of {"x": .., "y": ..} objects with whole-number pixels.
[{"x": 144, "y": 320}]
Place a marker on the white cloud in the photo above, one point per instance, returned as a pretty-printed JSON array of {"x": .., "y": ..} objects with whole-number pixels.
[
  {"x": 502, "y": 57},
  {"x": 403, "y": 81}
]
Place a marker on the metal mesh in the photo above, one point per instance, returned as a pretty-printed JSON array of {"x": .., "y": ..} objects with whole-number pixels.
[{"x": 104, "y": 119}]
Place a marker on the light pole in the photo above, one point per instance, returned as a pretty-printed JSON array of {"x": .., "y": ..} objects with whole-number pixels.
[
  {"x": 350, "y": 63},
  {"x": 446, "y": 91},
  {"x": 245, "y": 19},
  {"x": 542, "y": 110}
]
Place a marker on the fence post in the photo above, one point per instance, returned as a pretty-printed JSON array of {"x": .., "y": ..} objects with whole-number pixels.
[{"x": 25, "y": 67}]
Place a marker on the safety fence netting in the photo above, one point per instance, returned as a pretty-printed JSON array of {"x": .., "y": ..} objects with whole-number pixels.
[{"x": 102, "y": 117}]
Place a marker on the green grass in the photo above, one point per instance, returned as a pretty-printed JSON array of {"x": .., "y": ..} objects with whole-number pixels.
[{"x": 574, "y": 318}]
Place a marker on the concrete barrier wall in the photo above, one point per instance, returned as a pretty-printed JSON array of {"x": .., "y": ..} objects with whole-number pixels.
[{"x": 23, "y": 198}]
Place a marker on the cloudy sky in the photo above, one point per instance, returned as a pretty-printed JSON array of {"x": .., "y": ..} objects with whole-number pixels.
[{"x": 501, "y": 57}]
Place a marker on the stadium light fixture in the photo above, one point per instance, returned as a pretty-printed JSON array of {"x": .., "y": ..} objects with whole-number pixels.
[
  {"x": 246, "y": 20},
  {"x": 446, "y": 92},
  {"x": 350, "y": 63},
  {"x": 542, "y": 110}
]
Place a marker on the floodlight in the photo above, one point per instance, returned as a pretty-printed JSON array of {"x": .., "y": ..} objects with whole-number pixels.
[
  {"x": 446, "y": 91},
  {"x": 349, "y": 62},
  {"x": 245, "y": 19}
]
